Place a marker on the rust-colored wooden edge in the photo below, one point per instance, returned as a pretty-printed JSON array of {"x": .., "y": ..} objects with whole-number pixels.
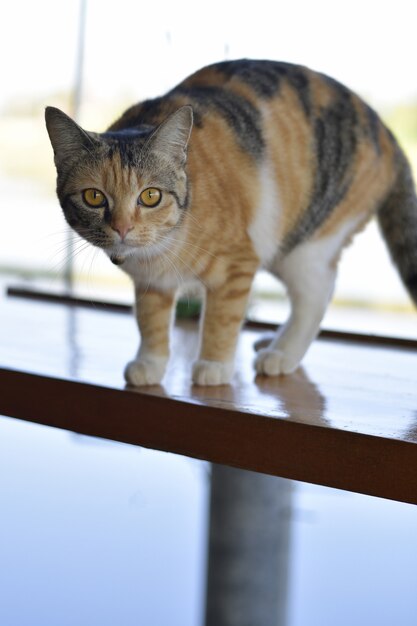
[
  {"x": 365, "y": 464},
  {"x": 69, "y": 300}
]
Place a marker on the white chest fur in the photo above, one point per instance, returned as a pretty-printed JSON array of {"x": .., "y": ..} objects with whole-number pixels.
[{"x": 264, "y": 228}]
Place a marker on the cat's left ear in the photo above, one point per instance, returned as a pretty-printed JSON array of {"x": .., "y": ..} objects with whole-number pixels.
[{"x": 172, "y": 136}]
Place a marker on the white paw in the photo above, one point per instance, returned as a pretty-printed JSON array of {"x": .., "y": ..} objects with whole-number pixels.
[
  {"x": 274, "y": 362},
  {"x": 212, "y": 372},
  {"x": 145, "y": 371}
]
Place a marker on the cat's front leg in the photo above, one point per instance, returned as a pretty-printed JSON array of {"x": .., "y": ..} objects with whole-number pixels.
[
  {"x": 224, "y": 312},
  {"x": 153, "y": 314}
]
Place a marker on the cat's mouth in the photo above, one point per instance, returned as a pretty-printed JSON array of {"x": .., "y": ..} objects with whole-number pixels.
[{"x": 119, "y": 254}]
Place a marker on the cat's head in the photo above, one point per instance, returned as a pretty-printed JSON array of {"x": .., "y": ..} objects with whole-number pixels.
[{"x": 122, "y": 191}]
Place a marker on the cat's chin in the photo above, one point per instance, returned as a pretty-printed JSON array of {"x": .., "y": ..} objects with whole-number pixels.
[
  {"x": 117, "y": 259},
  {"x": 119, "y": 254}
]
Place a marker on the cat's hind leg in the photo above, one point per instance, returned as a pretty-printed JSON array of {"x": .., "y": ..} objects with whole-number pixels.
[{"x": 308, "y": 273}]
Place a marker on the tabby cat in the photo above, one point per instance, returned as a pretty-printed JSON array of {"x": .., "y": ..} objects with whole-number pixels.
[{"x": 245, "y": 164}]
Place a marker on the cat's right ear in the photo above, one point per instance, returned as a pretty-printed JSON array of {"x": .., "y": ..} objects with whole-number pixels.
[{"x": 67, "y": 138}]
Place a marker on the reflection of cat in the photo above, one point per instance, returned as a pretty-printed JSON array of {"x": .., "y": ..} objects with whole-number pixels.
[
  {"x": 299, "y": 398},
  {"x": 283, "y": 166}
]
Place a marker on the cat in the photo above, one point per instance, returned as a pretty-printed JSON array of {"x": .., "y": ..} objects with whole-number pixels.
[{"x": 245, "y": 164}]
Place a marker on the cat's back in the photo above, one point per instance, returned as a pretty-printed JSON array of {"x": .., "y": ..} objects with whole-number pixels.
[
  {"x": 293, "y": 90},
  {"x": 249, "y": 94},
  {"x": 256, "y": 80},
  {"x": 286, "y": 139}
]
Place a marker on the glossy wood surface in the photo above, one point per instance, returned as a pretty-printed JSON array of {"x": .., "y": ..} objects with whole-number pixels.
[{"x": 346, "y": 419}]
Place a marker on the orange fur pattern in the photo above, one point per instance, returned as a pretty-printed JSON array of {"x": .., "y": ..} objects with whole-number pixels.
[{"x": 280, "y": 168}]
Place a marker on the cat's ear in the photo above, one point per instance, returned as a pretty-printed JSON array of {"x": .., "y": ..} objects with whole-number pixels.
[
  {"x": 67, "y": 138},
  {"x": 172, "y": 136}
]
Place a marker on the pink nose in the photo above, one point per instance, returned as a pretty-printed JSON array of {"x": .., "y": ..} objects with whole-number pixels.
[{"x": 122, "y": 229}]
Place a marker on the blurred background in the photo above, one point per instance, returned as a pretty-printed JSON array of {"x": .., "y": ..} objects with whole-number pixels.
[
  {"x": 95, "y": 532},
  {"x": 94, "y": 59}
]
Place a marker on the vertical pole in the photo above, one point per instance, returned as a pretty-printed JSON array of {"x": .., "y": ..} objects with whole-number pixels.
[
  {"x": 79, "y": 63},
  {"x": 75, "y": 110},
  {"x": 248, "y": 549}
]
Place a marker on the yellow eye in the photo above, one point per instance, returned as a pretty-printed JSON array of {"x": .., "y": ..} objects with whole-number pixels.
[
  {"x": 94, "y": 198},
  {"x": 150, "y": 197}
]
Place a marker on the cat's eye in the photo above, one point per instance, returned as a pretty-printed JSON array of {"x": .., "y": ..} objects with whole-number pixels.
[
  {"x": 150, "y": 197},
  {"x": 94, "y": 198}
]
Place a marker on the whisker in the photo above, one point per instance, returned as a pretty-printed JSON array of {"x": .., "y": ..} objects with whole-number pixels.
[
  {"x": 182, "y": 245},
  {"x": 196, "y": 223},
  {"x": 60, "y": 265},
  {"x": 186, "y": 244},
  {"x": 171, "y": 263},
  {"x": 67, "y": 250},
  {"x": 165, "y": 245}
]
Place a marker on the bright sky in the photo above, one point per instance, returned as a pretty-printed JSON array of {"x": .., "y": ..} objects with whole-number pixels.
[{"x": 139, "y": 49}]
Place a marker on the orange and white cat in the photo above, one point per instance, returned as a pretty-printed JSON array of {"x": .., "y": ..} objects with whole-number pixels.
[{"x": 245, "y": 164}]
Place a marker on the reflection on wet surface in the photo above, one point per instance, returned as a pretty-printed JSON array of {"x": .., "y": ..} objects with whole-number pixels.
[{"x": 358, "y": 388}]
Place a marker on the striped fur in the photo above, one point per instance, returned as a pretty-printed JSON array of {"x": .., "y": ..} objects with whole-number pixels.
[{"x": 282, "y": 167}]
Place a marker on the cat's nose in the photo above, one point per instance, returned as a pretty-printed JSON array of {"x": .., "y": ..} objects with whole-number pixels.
[{"x": 122, "y": 229}]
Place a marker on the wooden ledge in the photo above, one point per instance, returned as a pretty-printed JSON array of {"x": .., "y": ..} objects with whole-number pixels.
[{"x": 347, "y": 419}]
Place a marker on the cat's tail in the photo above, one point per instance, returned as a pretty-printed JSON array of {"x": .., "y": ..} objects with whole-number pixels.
[{"x": 398, "y": 222}]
